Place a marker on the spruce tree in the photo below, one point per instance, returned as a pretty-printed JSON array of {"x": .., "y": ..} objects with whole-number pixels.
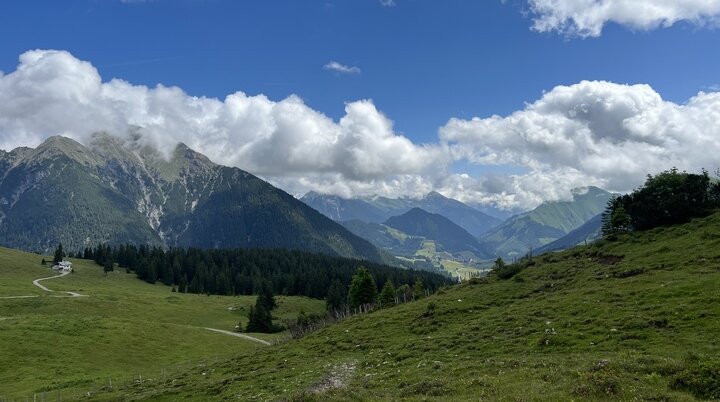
[
  {"x": 260, "y": 319},
  {"x": 418, "y": 289},
  {"x": 362, "y": 288},
  {"x": 387, "y": 295},
  {"x": 265, "y": 297},
  {"x": 335, "y": 300},
  {"x": 59, "y": 254}
]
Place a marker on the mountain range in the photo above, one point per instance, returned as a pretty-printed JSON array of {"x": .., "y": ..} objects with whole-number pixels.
[
  {"x": 447, "y": 235},
  {"x": 380, "y": 209},
  {"x": 116, "y": 192},
  {"x": 547, "y": 223}
]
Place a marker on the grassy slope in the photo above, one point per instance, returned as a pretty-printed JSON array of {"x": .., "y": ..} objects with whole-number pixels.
[
  {"x": 124, "y": 328},
  {"x": 577, "y": 325}
]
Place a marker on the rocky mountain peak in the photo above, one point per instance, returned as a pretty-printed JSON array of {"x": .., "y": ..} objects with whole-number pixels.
[{"x": 58, "y": 145}]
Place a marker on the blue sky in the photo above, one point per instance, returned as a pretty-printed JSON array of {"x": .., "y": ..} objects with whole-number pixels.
[{"x": 421, "y": 62}]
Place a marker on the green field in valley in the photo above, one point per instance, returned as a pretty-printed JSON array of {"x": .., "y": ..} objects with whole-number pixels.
[{"x": 120, "y": 330}]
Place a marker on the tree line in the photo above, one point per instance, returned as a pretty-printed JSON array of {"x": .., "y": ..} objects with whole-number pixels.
[
  {"x": 244, "y": 271},
  {"x": 668, "y": 198}
]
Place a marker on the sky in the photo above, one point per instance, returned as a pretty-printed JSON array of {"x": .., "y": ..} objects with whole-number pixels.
[{"x": 508, "y": 103}]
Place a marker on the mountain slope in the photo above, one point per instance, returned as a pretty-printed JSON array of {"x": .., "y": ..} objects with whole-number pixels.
[
  {"x": 589, "y": 231},
  {"x": 341, "y": 209},
  {"x": 545, "y": 224},
  {"x": 595, "y": 323},
  {"x": 394, "y": 241},
  {"x": 447, "y": 235},
  {"x": 114, "y": 192},
  {"x": 379, "y": 209}
]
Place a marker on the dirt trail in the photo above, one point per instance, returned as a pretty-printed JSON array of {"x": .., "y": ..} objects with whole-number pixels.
[
  {"x": 36, "y": 282},
  {"x": 248, "y": 337}
]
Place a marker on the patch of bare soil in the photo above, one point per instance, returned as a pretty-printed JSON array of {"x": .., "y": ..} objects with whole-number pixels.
[{"x": 338, "y": 377}]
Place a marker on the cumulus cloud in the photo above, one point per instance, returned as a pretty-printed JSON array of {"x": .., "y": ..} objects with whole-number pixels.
[
  {"x": 342, "y": 68},
  {"x": 588, "y": 17},
  {"x": 592, "y": 133},
  {"x": 52, "y": 92},
  {"x": 597, "y": 133}
]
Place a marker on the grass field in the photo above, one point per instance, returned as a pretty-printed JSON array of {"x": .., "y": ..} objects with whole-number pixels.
[
  {"x": 456, "y": 269},
  {"x": 124, "y": 328},
  {"x": 459, "y": 270},
  {"x": 635, "y": 319}
]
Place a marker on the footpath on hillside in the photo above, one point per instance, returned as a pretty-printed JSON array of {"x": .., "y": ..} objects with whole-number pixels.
[{"x": 36, "y": 282}]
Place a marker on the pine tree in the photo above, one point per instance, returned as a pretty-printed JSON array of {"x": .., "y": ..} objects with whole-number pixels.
[
  {"x": 59, "y": 254},
  {"x": 418, "y": 289},
  {"x": 260, "y": 319},
  {"x": 265, "y": 297},
  {"x": 387, "y": 295},
  {"x": 335, "y": 300},
  {"x": 363, "y": 289},
  {"x": 108, "y": 266}
]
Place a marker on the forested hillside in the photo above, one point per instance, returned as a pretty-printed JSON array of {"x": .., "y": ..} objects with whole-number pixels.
[{"x": 243, "y": 271}]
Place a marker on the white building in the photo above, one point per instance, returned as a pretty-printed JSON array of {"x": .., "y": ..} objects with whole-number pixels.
[{"x": 63, "y": 266}]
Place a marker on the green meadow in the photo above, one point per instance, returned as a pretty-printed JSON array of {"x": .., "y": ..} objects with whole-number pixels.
[
  {"x": 122, "y": 328},
  {"x": 633, "y": 319}
]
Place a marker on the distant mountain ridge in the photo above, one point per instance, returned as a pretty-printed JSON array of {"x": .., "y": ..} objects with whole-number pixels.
[
  {"x": 546, "y": 223},
  {"x": 379, "y": 209},
  {"x": 588, "y": 232},
  {"x": 447, "y": 235},
  {"x": 109, "y": 191}
]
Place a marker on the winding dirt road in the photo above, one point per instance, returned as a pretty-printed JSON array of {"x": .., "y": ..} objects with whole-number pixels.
[{"x": 36, "y": 282}]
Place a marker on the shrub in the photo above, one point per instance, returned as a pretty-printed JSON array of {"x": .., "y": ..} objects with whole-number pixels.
[
  {"x": 508, "y": 271},
  {"x": 701, "y": 378}
]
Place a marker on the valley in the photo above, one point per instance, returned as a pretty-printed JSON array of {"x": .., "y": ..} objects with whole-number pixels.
[{"x": 379, "y": 200}]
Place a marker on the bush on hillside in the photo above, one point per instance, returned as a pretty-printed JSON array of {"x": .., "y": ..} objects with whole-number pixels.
[
  {"x": 668, "y": 198},
  {"x": 701, "y": 378}
]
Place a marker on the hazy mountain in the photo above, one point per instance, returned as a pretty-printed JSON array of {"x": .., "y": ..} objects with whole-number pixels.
[
  {"x": 447, "y": 235},
  {"x": 494, "y": 211},
  {"x": 341, "y": 209},
  {"x": 65, "y": 192},
  {"x": 545, "y": 224},
  {"x": 385, "y": 237},
  {"x": 589, "y": 231},
  {"x": 379, "y": 209}
]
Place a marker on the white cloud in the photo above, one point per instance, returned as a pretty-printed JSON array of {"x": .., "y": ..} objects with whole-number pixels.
[
  {"x": 388, "y": 3},
  {"x": 342, "y": 68},
  {"x": 595, "y": 132},
  {"x": 591, "y": 133},
  {"x": 52, "y": 92},
  {"x": 588, "y": 17}
]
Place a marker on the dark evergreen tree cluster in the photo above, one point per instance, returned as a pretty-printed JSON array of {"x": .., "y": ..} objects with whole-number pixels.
[
  {"x": 260, "y": 316},
  {"x": 244, "y": 271},
  {"x": 668, "y": 198}
]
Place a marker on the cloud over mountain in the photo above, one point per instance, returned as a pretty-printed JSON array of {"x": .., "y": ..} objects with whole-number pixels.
[
  {"x": 595, "y": 132},
  {"x": 52, "y": 92},
  {"x": 591, "y": 133}
]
